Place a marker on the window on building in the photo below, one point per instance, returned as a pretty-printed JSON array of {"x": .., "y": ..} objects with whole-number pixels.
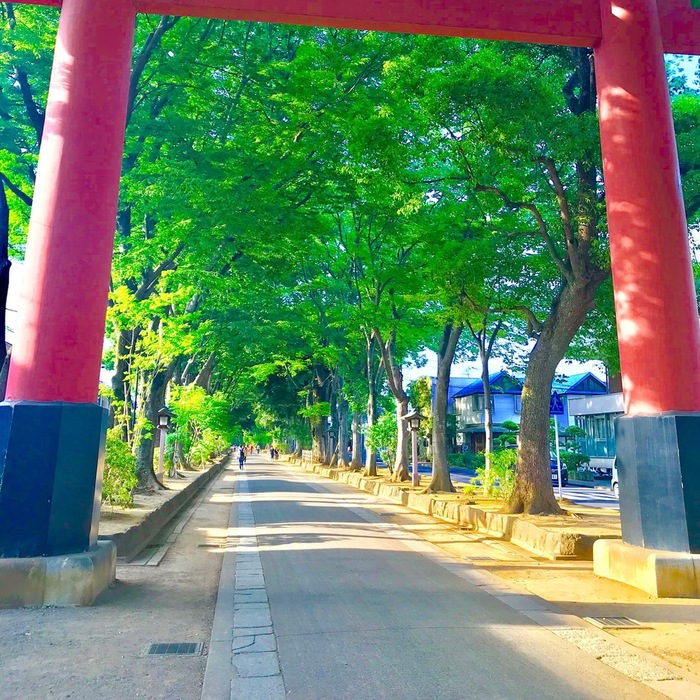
[
  {"x": 599, "y": 440},
  {"x": 478, "y": 402},
  {"x": 518, "y": 403}
]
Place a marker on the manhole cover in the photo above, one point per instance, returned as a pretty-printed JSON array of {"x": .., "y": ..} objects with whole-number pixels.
[
  {"x": 175, "y": 648},
  {"x": 615, "y": 623}
]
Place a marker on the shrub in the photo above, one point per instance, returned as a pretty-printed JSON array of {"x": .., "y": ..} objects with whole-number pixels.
[
  {"x": 501, "y": 477},
  {"x": 119, "y": 478},
  {"x": 574, "y": 461},
  {"x": 468, "y": 460},
  {"x": 382, "y": 436}
]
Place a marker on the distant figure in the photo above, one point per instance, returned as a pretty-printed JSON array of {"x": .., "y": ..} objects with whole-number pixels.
[{"x": 241, "y": 458}]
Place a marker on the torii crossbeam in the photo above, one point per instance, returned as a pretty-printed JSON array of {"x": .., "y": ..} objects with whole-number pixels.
[{"x": 56, "y": 359}]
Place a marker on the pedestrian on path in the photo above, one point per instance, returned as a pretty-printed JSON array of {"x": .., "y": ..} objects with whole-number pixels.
[{"x": 241, "y": 458}]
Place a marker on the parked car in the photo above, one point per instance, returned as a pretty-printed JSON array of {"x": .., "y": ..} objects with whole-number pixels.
[
  {"x": 553, "y": 468},
  {"x": 555, "y": 475},
  {"x": 615, "y": 484}
]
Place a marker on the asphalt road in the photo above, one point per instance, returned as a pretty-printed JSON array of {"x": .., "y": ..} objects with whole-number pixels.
[
  {"x": 582, "y": 495},
  {"x": 360, "y": 614}
]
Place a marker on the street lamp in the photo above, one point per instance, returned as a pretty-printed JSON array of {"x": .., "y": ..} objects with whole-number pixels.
[
  {"x": 414, "y": 418},
  {"x": 164, "y": 417}
]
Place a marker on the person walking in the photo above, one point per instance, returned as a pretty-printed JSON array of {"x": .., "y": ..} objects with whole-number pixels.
[{"x": 241, "y": 457}]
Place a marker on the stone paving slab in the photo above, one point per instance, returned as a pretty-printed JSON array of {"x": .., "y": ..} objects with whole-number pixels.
[
  {"x": 261, "y": 688},
  {"x": 255, "y": 643},
  {"x": 251, "y": 666}
]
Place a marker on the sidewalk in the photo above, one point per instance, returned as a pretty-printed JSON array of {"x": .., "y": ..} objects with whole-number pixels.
[{"x": 98, "y": 653}]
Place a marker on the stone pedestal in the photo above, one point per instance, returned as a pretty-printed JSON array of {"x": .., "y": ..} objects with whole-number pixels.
[
  {"x": 661, "y": 574},
  {"x": 658, "y": 462},
  {"x": 51, "y": 460},
  {"x": 66, "y": 580}
]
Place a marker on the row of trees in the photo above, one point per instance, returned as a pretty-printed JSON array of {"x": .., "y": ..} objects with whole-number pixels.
[{"x": 303, "y": 211}]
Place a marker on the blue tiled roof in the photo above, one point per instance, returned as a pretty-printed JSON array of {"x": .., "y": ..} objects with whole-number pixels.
[
  {"x": 476, "y": 386},
  {"x": 570, "y": 385},
  {"x": 563, "y": 385}
]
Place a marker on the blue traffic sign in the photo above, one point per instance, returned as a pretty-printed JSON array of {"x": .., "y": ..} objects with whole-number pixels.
[{"x": 556, "y": 405}]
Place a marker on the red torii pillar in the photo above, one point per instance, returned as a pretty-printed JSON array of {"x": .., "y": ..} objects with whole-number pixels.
[
  {"x": 658, "y": 440},
  {"x": 51, "y": 429},
  {"x": 55, "y": 366}
]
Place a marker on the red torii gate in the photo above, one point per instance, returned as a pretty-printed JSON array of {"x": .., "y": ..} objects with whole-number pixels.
[
  {"x": 81, "y": 152},
  {"x": 56, "y": 358}
]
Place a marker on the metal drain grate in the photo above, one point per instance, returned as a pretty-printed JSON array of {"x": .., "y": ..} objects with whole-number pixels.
[
  {"x": 175, "y": 648},
  {"x": 616, "y": 623}
]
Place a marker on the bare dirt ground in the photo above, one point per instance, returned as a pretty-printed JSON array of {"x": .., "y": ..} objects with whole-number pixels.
[
  {"x": 97, "y": 652},
  {"x": 116, "y": 519}
]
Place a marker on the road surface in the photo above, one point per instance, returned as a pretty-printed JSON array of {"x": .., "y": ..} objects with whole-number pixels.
[
  {"x": 582, "y": 495},
  {"x": 333, "y": 602}
]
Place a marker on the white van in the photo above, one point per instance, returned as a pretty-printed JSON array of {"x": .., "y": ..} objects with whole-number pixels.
[{"x": 615, "y": 484}]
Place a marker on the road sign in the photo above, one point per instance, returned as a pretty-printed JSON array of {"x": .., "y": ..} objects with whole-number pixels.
[{"x": 556, "y": 405}]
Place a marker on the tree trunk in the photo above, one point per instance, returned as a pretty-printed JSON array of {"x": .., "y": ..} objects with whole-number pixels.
[
  {"x": 4, "y": 268},
  {"x": 180, "y": 458},
  {"x": 331, "y": 448},
  {"x": 153, "y": 402},
  {"x": 441, "y": 480},
  {"x": 319, "y": 439},
  {"x": 121, "y": 381},
  {"x": 371, "y": 456},
  {"x": 343, "y": 410},
  {"x": 401, "y": 472},
  {"x": 532, "y": 492},
  {"x": 394, "y": 377},
  {"x": 488, "y": 412},
  {"x": 4, "y": 371},
  {"x": 203, "y": 379},
  {"x": 373, "y": 371},
  {"x": 356, "y": 462}
]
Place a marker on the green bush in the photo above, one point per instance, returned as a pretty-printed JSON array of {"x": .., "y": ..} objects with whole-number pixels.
[
  {"x": 456, "y": 459},
  {"x": 119, "y": 478},
  {"x": 468, "y": 460},
  {"x": 382, "y": 436},
  {"x": 574, "y": 461},
  {"x": 501, "y": 477}
]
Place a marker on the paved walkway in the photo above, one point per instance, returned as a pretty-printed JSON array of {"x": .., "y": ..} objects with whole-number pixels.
[{"x": 322, "y": 598}]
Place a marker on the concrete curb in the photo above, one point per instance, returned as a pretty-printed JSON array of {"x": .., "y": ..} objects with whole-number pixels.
[
  {"x": 130, "y": 542},
  {"x": 528, "y": 535}
]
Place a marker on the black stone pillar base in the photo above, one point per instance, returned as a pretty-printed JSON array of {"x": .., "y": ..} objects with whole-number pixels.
[
  {"x": 658, "y": 462},
  {"x": 51, "y": 461}
]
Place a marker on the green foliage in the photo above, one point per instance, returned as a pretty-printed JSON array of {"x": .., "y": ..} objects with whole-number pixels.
[
  {"x": 420, "y": 396},
  {"x": 382, "y": 436},
  {"x": 510, "y": 435},
  {"x": 119, "y": 477},
  {"x": 203, "y": 423},
  {"x": 316, "y": 412},
  {"x": 572, "y": 456},
  {"x": 500, "y": 478},
  {"x": 468, "y": 460}
]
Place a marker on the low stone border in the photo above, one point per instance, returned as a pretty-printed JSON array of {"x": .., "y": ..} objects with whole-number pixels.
[
  {"x": 547, "y": 543},
  {"x": 132, "y": 540}
]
